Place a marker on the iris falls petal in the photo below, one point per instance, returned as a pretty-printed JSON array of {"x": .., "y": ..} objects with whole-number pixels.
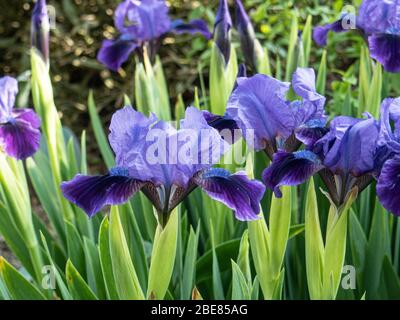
[
  {"x": 113, "y": 53},
  {"x": 236, "y": 191},
  {"x": 388, "y": 186},
  {"x": 290, "y": 169},
  {"x": 91, "y": 193}
]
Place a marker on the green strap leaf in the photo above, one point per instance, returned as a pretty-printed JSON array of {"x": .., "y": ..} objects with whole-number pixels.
[
  {"x": 163, "y": 257},
  {"x": 17, "y": 286}
]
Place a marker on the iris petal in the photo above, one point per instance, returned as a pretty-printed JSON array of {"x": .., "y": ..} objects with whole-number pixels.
[
  {"x": 144, "y": 20},
  {"x": 385, "y": 48},
  {"x": 20, "y": 135},
  {"x": 91, "y": 193},
  {"x": 258, "y": 105},
  {"x": 192, "y": 27},
  {"x": 388, "y": 186},
  {"x": 8, "y": 92},
  {"x": 290, "y": 169},
  {"x": 114, "y": 53},
  {"x": 320, "y": 33},
  {"x": 236, "y": 191}
]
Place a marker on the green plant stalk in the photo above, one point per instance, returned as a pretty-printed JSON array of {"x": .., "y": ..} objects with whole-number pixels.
[
  {"x": 324, "y": 263},
  {"x": 42, "y": 94},
  {"x": 163, "y": 257},
  {"x": 19, "y": 202},
  {"x": 268, "y": 246},
  {"x": 222, "y": 79}
]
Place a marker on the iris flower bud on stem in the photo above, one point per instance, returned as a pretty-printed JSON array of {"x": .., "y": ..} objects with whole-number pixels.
[
  {"x": 222, "y": 27},
  {"x": 40, "y": 29},
  {"x": 251, "y": 47}
]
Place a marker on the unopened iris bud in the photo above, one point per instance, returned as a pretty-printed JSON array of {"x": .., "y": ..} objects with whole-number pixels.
[
  {"x": 40, "y": 29},
  {"x": 222, "y": 27},
  {"x": 251, "y": 47}
]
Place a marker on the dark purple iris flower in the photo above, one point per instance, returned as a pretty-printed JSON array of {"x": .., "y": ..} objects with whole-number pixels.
[
  {"x": 388, "y": 156},
  {"x": 379, "y": 22},
  {"x": 40, "y": 29},
  {"x": 344, "y": 155},
  {"x": 165, "y": 170},
  {"x": 143, "y": 23},
  {"x": 267, "y": 119},
  {"x": 19, "y": 128}
]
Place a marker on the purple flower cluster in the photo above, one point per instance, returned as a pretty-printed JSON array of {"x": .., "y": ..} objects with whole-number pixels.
[{"x": 347, "y": 153}]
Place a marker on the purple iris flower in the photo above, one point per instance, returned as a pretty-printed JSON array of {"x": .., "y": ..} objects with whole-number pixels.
[
  {"x": 344, "y": 156},
  {"x": 222, "y": 28},
  {"x": 379, "y": 23},
  {"x": 388, "y": 156},
  {"x": 267, "y": 119},
  {"x": 19, "y": 128},
  {"x": 166, "y": 164},
  {"x": 143, "y": 23},
  {"x": 40, "y": 29}
]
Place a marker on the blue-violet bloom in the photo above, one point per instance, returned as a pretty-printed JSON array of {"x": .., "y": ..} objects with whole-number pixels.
[
  {"x": 141, "y": 23},
  {"x": 19, "y": 128},
  {"x": 166, "y": 164}
]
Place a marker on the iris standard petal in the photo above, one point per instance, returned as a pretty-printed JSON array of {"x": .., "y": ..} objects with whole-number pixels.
[
  {"x": 192, "y": 27},
  {"x": 144, "y": 20},
  {"x": 8, "y": 93},
  {"x": 388, "y": 186},
  {"x": 92, "y": 193},
  {"x": 236, "y": 191},
  {"x": 303, "y": 83},
  {"x": 113, "y": 53},
  {"x": 385, "y": 48},
  {"x": 129, "y": 130},
  {"x": 353, "y": 153},
  {"x": 259, "y": 107},
  {"x": 20, "y": 134},
  {"x": 290, "y": 169}
]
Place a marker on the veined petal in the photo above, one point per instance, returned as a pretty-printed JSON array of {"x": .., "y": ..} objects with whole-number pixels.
[
  {"x": 290, "y": 169},
  {"x": 224, "y": 125},
  {"x": 388, "y": 186},
  {"x": 379, "y": 16},
  {"x": 91, "y": 193},
  {"x": 303, "y": 83},
  {"x": 236, "y": 191},
  {"x": 310, "y": 132},
  {"x": 192, "y": 27},
  {"x": 385, "y": 48},
  {"x": 8, "y": 92},
  {"x": 144, "y": 20},
  {"x": 259, "y": 107},
  {"x": 113, "y": 53},
  {"x": 354, "y": 151},
  {"x": 20, "y": 134}
]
